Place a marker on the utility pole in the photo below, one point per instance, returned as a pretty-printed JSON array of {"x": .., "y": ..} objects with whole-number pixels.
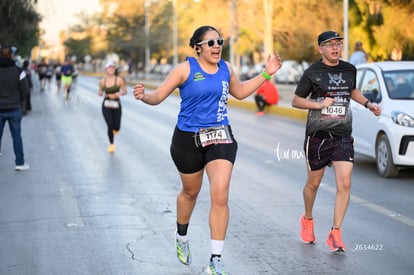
[
  {"x": 175, "y": 33},
  {"x": 346, "y": 42}
]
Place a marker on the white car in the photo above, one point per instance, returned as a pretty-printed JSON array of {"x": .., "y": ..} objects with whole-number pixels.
[
  {"x": 289, "y": 73},
  {"x": 389, "y": 138}
]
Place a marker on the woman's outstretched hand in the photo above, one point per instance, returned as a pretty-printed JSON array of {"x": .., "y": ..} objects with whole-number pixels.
[
  {"x": 139, "y": 91},
  {"x": 273, "y": 63}
]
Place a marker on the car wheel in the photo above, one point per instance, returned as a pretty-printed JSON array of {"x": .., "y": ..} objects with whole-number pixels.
[{"x": 385, "y": 164}]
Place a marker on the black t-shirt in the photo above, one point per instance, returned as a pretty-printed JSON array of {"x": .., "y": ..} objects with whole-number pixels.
[
  {"x": 42, "y": 68},
  {"x": 320, "y": 81}
]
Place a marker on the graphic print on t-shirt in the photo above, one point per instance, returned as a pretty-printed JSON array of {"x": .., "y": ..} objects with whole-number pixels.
[{"x": 330, "y": 82}]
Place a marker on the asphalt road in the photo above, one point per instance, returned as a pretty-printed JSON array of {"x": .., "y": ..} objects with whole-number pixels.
[{"x": 80, "y": 210}]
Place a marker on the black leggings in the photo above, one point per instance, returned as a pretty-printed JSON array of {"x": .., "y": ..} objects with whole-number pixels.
[
  {"x": 113, "y": 120},
  {"x": 261, "y": 102}
]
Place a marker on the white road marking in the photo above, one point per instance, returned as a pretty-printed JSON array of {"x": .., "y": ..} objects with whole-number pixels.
[
  {"x": 70, "y": 207},
  {"x": 374, "y": 207}
]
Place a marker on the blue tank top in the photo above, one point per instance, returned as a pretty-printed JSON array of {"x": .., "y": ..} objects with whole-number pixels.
[{"x": 204, "y": 98}]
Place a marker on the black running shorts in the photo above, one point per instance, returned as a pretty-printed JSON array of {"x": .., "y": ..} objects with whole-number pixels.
[
  {"x": 190, "y": 157},
  {"x": 322, "y": 151}
]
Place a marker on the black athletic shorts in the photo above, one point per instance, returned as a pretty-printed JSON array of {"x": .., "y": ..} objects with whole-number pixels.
[
  {"x": 322, "y": 149},
  {"x": 190, "y": 157}
]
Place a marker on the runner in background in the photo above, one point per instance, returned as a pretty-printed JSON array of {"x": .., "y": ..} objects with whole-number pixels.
[
  {"x": 67, "y": 71},
  {"x": 41, "y": 72},
  {"x": 112, "y": 87},
  {"x": 58, "y": 75}
]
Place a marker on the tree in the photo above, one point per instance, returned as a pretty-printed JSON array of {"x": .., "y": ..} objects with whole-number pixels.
[
  {"x": 124, "y": 25},
  {"x": 383, "y": 27},
  {"x": 88, "y": 37},
  {"x": 78, "y": 46},
  {"x": 19, "y": 25},
  {"x": 290, "y": 27}
]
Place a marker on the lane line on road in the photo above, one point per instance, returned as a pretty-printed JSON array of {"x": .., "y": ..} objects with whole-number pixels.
[
  {"x": 373, "y": 206},
  {"x": 70, "y": 207}
]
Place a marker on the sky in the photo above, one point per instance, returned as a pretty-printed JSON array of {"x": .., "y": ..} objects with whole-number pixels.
[{"x": 59, "y": 15}]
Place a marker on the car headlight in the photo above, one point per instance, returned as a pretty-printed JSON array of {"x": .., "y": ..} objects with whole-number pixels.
[{"x": 402, "y": 119}]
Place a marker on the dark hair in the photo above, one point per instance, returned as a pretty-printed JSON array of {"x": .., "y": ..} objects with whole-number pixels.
[
  {"x": 199, "y": 33},
  {"x": 25, "y": 63},
  {"x": 7, "y": 51}
]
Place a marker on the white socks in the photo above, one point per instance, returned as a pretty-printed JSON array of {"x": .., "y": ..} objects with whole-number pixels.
[
  {"x": 181, "y": 238},
  {"x": 217, "y": 247}
]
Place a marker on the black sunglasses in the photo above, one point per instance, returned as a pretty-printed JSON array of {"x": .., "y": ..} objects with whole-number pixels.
[{"x": 211, "y": 42}]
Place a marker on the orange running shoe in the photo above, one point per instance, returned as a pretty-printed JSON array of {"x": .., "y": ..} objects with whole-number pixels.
[
  {"x": 111, "y": 148},
  {"x": 334, "y": 241},
  {"x": 115, "y": 132},
  {"x": 306, "y": 230}
]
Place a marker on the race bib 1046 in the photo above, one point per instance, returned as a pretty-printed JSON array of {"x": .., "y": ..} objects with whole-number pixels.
[{"x": 334, "y": 111}]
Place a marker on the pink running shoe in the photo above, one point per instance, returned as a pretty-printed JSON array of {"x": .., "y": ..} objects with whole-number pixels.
[
  {"x": 306, "y": 230},
  {"x": 334, "y": 241}
]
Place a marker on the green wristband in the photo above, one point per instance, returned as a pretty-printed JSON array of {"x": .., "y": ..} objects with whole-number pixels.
[{"x": 266, "y": 75}]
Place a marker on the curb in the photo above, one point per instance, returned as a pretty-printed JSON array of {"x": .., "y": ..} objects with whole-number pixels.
[
  {"x": 248, "y": 105},
  {"x": 274, "y": 110}
]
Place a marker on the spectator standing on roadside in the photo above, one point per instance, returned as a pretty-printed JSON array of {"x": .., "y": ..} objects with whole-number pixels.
[
  {"x": 13, "y": 90},
  {"x": 266, "y": 95},
  {"x": 326, "y": 89},
  {"x": 359, "y": 56},
  {"x": 27, "y": 104},
  {"x": 202, "y": 140}
]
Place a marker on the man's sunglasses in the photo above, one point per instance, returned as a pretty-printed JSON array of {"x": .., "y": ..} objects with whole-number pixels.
[{"x": 210, "y": 42}]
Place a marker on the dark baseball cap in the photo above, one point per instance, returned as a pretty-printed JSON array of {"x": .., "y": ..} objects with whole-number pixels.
[
  {"x": 13, "y": 49},
  {"x": 7, "y": 51},
  {"x": 328, "y": 35}
]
